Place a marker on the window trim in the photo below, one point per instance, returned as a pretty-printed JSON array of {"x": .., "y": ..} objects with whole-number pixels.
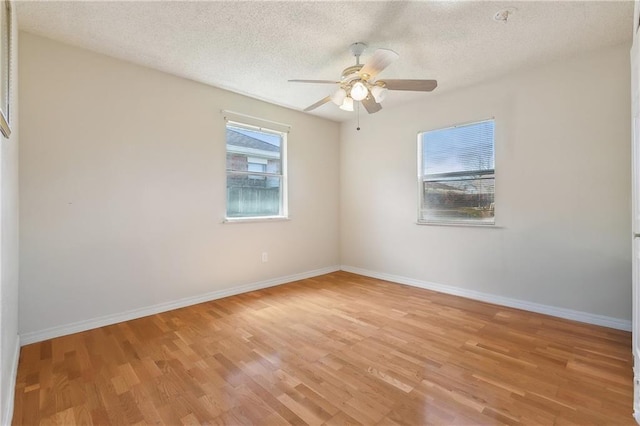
[
  {"x": 420, "y": 162},
  {"x": 283, "y": 175}
]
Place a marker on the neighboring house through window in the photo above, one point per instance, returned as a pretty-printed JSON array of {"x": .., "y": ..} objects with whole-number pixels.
[
  {"x": 457, "y": 174},
  {"x": 256, "y": 172}
]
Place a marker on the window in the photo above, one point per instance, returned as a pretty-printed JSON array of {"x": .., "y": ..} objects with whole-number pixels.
[
  {"x": 456, "y": 174},
  {"x": 256, "y": 172}
]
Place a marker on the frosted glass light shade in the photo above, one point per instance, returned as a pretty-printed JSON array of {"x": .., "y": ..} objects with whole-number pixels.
[
  {"x": 338, "y": 96},
  {"x": 379, "y": 93},
  {"x": 359, "y": 91},
  {"x": 347, "y": 104}
]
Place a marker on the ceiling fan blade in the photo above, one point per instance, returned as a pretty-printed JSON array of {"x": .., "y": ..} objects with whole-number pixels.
[
  {"x": 371, "y": 105},
  {"x": 414, "y": 85},
  {"x": 317, "y": 104},
  {"x": 315, "y": 81},
  {"x": 380, "y": 60}
]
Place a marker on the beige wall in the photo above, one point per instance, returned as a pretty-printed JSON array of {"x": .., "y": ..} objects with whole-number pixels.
[
  {"x": 563, "y": 235},
  {"x": 122, "y": 190},
  {"x": 9, "y": 342}
]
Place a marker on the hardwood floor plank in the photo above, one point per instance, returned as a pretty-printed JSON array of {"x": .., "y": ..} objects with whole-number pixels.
[{"x": 336, "y": 349}]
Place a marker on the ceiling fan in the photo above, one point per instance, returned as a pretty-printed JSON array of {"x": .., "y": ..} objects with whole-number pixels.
[{"x": 358, "y": 83}]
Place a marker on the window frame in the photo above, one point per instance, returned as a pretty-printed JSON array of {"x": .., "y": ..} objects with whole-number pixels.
[
  {"x": 283, "y": 213},
  {"x": 420, "y": 181}
]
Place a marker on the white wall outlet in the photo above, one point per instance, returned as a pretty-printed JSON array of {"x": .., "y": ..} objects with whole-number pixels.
[{"x": 265, "y": 257}]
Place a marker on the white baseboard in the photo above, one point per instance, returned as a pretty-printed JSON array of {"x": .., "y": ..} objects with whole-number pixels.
[
  {"x": 605, "y": 321},
  {"x": 63, "y": 330},
  {"x": 9, "y": 393},
  {"x": 636, "y": 387},
  {"x": 49, "y": 333}
]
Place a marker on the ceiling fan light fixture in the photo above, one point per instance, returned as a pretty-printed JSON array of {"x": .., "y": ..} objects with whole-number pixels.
[
  {"x": 338, "y": 96},
  {"x": 359, "y": 91},
  {"x": 358, "y": 82},
  {"x": 347, "y": 104},
  {"x": 379, "y": 93}
]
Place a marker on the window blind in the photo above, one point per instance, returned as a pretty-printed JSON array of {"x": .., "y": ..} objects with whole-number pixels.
[{"x": 457, "y": 176}]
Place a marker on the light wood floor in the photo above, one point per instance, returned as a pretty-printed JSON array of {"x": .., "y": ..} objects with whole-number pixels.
[{"x": 336, "y": 349}]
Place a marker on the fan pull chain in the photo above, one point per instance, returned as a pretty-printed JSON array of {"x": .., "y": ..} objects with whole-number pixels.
[{"x": 358, "y": 115}]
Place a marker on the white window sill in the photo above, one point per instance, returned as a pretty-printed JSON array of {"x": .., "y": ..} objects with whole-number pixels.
[
  {"x": 463, "y": 224},
  {"x": 233, "y": 220}
]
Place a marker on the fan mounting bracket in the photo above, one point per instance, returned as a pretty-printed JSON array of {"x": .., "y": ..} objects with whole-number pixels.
[{"x": 357, "y": 48}]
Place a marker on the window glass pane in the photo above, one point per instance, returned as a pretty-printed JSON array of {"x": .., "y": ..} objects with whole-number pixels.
[
  {"x": 458, "y": 149},
  {"x": 244, "y": 145},
  {"x": 460, "y": 199},
  {"x": 457, "y": 181},
  {"x": 255, "y": 172},
  {"x": 253, "y": 195}
]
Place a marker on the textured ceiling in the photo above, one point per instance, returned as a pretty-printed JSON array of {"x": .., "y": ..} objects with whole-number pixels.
[{"x": 253, "y": 47}]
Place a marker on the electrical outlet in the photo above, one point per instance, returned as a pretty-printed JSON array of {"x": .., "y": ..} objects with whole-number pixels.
[{"x": 265, "y": 257}]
